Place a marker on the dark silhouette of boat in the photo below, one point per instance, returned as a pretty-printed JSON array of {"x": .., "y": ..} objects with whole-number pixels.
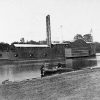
[{"x": 49, "y": 69}]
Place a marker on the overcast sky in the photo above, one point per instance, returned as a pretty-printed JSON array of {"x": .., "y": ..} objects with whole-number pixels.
[{"x": 27, "y": 18}]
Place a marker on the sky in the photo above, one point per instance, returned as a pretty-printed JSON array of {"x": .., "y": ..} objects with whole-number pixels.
[{"x": 27, "y": 18}]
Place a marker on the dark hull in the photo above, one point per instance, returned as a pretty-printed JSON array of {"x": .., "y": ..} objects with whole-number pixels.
[
  {"x": 57, "y": 71},
  {"x": 41, "y": 54}
]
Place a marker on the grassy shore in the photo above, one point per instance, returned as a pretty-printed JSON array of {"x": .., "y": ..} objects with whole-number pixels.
[{"x": 58, "y": 87}]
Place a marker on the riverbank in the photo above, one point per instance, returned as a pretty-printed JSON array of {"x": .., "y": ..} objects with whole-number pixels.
[{"x": 54, "y": 87}]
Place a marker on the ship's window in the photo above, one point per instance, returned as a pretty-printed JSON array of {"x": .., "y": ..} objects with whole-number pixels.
[
  {"x": 16, "y": 55},
  {"x": 31, "y": 55}
]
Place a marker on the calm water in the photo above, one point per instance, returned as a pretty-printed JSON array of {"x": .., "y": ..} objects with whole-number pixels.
[{"x": 17, "y": 72}]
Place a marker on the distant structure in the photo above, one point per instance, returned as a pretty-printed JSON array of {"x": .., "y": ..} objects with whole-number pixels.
[{"x": 48, "y": 29}]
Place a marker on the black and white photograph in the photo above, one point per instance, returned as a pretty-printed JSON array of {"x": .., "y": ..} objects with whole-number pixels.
[{"x": 49, "y": 50}]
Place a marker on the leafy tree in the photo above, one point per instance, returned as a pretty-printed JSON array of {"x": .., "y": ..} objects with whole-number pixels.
[
  {"x": 78, "y": 36},
  {"x": 88, "y": 38},
  {"x": 4, "y": 46}
]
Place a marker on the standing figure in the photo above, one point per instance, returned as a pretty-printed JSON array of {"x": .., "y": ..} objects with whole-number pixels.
[
  {"x": 59, "y": 65},
  {"x": 42, "y": 70}
]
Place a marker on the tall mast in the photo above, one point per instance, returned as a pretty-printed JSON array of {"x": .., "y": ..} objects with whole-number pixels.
[{"x": 48, "y": 29}]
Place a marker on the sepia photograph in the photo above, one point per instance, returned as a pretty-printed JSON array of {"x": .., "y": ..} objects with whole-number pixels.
[{"x": 49, "y": 50}]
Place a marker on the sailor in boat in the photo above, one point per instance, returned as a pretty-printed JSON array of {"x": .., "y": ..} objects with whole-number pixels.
[
  {"x": 42, "y": 71},
  {"x": 59, "y": 65}
]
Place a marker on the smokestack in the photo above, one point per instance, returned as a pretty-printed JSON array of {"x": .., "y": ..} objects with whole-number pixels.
[{"x": 48, "y": 28}]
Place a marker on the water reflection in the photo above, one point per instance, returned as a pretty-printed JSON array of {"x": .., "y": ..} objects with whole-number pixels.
[
  {"x": 80, "y": 63},
  {"x": 17, "y": 72}
]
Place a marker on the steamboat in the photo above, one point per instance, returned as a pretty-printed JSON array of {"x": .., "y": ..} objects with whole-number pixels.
[{"x": 51, "y": 51}]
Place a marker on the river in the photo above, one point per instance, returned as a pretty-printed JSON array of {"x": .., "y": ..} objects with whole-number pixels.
[{"x": 18, "y": 72}]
